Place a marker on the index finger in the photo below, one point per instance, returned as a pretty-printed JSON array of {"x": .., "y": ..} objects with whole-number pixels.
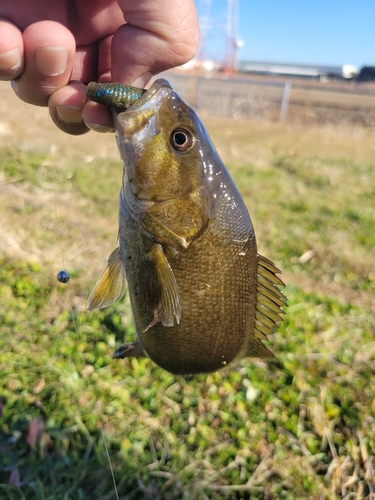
[{"x": 11, "y": 51}]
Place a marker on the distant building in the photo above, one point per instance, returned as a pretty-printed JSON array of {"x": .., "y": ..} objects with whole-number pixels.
[
  {"x": 367, "y": 74},
  {"x": 323, "y": 73}
]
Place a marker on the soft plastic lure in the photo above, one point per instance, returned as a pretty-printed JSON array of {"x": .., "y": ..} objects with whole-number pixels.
[{"x": 117, "y": 95}]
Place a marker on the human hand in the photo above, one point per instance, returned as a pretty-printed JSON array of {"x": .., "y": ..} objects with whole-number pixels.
[{"x": 50, "y": 50}]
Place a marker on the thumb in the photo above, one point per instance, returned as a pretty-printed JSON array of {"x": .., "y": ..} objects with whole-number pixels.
[{"x": 157, "y": 36}]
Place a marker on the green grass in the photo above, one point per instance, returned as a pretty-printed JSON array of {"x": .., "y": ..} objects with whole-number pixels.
[{"x": 300, "y": 426}]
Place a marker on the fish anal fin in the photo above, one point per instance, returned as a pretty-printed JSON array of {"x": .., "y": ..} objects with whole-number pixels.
[
  {"x": 159, "y": 288},
  {"x": 128, "y": 350},
  {"x": 111, "y": 285}
]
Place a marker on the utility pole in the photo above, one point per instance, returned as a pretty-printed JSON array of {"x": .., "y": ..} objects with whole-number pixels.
[
  {"x": 205, "y": 26},
  {"x": 232, "y": 42}
]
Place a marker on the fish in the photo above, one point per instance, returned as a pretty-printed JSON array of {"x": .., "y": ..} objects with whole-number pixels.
[{"x": 201, "y": 295}]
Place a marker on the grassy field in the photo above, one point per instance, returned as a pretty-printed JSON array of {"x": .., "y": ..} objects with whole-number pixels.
[{"x": 74, "y": 424}]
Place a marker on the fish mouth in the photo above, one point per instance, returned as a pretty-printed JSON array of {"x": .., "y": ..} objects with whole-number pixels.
[
  {"x": 134, "y": 125},
  {"x": 154, "y": 96},
  {"x": 140, "y": 114}
]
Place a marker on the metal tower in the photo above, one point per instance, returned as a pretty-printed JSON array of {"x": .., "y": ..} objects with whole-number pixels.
[{"x": 232, "y": 42}]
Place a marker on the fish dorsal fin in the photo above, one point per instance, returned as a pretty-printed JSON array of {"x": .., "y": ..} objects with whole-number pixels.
[
  {"x": 257, "y": 349},
  {"x": 110, "y": 287},
  {"x": 270, "y": 299}
]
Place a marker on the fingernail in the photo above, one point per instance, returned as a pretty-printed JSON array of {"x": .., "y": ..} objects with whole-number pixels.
[
  {"x": 14, "y": 85},
  {"x": 11, "y": 60},
  {"x": 99, "y": 128},
  {"x": 51, "y": 61},
  {"x": 142, "y": 80},
  {"x": 70, "y": 114}
]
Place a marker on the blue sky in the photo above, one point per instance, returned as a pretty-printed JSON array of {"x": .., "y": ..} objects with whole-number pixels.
[{"x": 329, "y": 32}]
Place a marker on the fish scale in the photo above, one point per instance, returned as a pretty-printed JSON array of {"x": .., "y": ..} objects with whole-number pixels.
[{"x": 200, "y": 293}]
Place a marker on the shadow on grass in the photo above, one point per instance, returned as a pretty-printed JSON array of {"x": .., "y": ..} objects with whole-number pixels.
[{"x": 41, "y": 463}]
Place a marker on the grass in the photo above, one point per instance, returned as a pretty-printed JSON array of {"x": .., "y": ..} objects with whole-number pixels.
[{"x": 300, "y": 426}]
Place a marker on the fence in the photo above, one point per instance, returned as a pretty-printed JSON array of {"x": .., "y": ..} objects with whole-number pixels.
[
  {"x": 277, "y": 101},
  {"x": 231, "y": 98}
]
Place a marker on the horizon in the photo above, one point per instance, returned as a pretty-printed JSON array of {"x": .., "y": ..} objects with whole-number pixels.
[{"x": 324, "y": 34}]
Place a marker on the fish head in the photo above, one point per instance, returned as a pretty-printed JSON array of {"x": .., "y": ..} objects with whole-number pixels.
[{"x": 163, "y": 144}]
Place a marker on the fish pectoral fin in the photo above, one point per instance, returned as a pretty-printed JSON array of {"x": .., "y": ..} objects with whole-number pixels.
[
  {"x": 159, "y": 288},
  {"x": 156, "y": 227},
  {"x": 111, "y": 285}
]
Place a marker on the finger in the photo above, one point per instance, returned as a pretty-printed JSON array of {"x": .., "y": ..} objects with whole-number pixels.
[
  {"x": 49, "y": 50},
  {"x": 85, "y": 67},
  {"x": 65, "y": 107},
  {"x": 97, "y": 117},
  {"x": 69, "y": 108},
  {"x": 11, "y": 51},
  {"x": 73, "y": 114},
  {"x": 157, "y": 36}
]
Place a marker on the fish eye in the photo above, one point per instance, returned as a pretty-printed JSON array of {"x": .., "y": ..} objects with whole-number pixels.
[{"x": 181, "y": 139}]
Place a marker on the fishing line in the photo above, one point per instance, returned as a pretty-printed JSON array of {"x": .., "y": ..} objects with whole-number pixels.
[
  {"x": 110, "y": 465},
  {"x": 63, "y": 276},
  {"x": 60, "y": 276}
]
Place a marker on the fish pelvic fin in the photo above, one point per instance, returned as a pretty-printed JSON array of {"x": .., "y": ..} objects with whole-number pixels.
[
  {"x": 269, "y": 306},
  {"x": 111, "y": 285},
  {"x": 159, "y": 288}
]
